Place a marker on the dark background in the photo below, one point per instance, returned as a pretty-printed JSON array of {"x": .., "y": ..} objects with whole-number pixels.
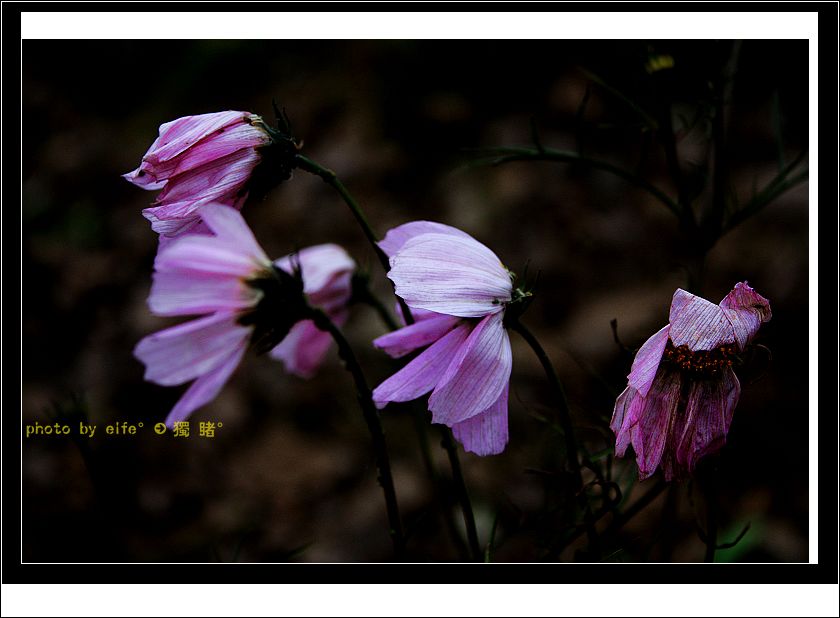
[{"x": 290, "y": 475}]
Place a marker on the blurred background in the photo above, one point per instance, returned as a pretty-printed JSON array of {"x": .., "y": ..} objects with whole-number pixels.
[{"x": 289, "y": 474}]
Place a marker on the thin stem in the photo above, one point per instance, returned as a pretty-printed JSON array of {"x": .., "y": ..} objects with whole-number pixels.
[
  {"x": 508, "y": 155},
  {"x": 371, "y": 415},
  {"x": 638, "y": 506},
  {"x": 329, "y": 177},
  {"x": 560, "y": 396},
  {"x": 368, "y": 298},
  {"x": 463, "y": 496}
]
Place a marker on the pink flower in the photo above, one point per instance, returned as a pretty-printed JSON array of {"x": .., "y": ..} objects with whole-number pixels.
[
  {"x": 243, "y": 298},
  {"x": 458, "y": 290},
  {"x": 197, "y": 160},
  {"x": 682, "y": 391}
]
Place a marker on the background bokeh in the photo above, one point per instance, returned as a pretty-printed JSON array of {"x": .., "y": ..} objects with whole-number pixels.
[{"x": 290, "y": 475}]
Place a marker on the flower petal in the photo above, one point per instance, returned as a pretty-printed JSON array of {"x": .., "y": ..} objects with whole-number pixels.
[
  {"x": 485, "y": 433},
  {"x": 647, "y": 361},
  {"x": 708, "y": 414},
  {"x": 398, "y": 236},
  {"x": 320, "y": 265},
  {"x": 303, "y": 350},
  {"x": 697, "y": 323},
  {"x": 192, "y": 293},
  {"x": 746, "y": 310},
  {"x": 628, "y": 407},
  {"x": 476, "y": 376},
  {"x": 211, "y": 181},
  {"x": 205, "y": 388},
  {"x": 228, "y": 225},
  {"x": 207, "y": 254},
  {"x": 450, "y": 274},
  {"x": 184, "y": 352},
  {"x": 405, "y": 340},
  {"x": 182, "y": 133},
  {"x": 649, "y": 434},
  {"x": 424, "y": 372}
]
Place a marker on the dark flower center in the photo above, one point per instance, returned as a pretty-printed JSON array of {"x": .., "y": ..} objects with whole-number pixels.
[
  {"x": 283, "y": 305},
  {"x": 702, "y": 363}
]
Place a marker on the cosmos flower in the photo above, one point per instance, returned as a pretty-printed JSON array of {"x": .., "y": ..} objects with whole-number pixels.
[
  {"x": 243, "y": 298},
  {"x": 197, "y": 160},
  {"x": 458, "y": 290},
  {"x": 682, "y": 391}
]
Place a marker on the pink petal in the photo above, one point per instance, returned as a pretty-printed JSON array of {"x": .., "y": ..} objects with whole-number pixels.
[
  {"x": 211, "y": 181},
  {"x": 450, "y": 274},
  {"x": 485, "y": 433},
  {"x": 141, "y": 178},
  {"x": 650, "y": 433},
  {"x": 708, "y": 414},
  {"x": 182, "y": 133},
  {"x": 422, "y": 374},
  {"x": 205, "y": 388},
  {"x": 628, "y": 407},
  {"x": 228, "y": 225},
  {"x": 398, "y": 236},
  {"x": 184, "y": 352},
  {"x": 647, "y": 361},
  {"x": 697, "y": 323},
  {"x": 747, "y": 310},
  {"x": 418, "y": 314},
  {"x": 192, "y": 293},
  {"x": 476, "y": 376},
  {"x": 420, "y": 334},
  {"x": 320, "y": 266},
  {"x": 303, "y": 350},
  {"x": 209, "y": 255}
]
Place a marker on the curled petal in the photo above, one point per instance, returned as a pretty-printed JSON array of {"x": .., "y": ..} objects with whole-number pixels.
[
  {"x": 186, "y": 351},
  {"x": 205, "y": 388},
  {"x": 628, "y": 407},
  {"x": 747, "y": 310},
  {"x": 424, "y": 372},
  {"x": 485, "y": 433},
  {"x": 476, "y": 376},
  {"x": 650, "y": 432},
  {"x": 708, "y": 414},
  {"x": 450, "y": 274},
  {"x": 697, "y": 323},
  {"x": 398, "y": 236},
  {"x": 647, "y": 361},
  {"x": 420, "y": 334},
  {"x": 180, "y": 134},
  {"x": 303, "y": 350}
]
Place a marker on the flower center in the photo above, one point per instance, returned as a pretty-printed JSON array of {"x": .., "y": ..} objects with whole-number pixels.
[
  {"x": 283, "y": 304},
  {"x": 704, "y": 363}
]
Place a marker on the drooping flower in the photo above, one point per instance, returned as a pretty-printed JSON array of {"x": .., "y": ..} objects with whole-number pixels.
[
  {"x": 457, "y": 290},
  {"x": 682, "y": 391},
  {"x": 243, "y": 298},
  {"x": 197, "y": 160}
]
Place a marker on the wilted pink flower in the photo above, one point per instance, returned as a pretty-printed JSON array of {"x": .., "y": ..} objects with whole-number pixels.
[
  {"x": 682, "y": 391},
  {"x": 458, "y": 290},
  {"x": 197, "y": 160},
  {"x": 243, "y": 298}
]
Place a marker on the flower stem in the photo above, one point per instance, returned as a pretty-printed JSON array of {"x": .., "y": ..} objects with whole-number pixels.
[
  {"x": 463, "y": 496},
  {"x": 371, "y": 415},
  {"x": 329, "y": 177},
  {"x": 560, "y": 395}
]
